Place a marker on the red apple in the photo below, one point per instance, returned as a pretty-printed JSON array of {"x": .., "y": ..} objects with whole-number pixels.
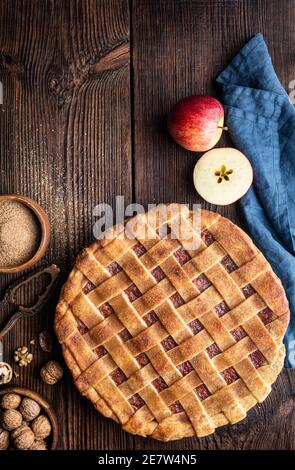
[{"x": 196, "y": 122}]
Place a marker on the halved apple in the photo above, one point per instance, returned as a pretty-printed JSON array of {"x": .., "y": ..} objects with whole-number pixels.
[{"x": 223, "y": 175}]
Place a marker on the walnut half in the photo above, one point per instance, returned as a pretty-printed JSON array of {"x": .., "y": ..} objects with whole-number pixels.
[
  {"x": 22, "y": 356},
  {"x": 5, "y": 373}
]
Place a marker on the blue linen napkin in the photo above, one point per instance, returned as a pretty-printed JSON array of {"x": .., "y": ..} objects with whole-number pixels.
[{"x": 261, "y": 121}]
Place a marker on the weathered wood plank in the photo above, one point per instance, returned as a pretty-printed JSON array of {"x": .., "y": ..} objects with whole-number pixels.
[
  {"x": 65, "y": 141},
  {"x": 179, "y": 48}
]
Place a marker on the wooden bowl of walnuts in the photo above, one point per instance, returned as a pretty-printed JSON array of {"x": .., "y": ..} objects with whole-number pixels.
[{"x": 27, "y": 421}]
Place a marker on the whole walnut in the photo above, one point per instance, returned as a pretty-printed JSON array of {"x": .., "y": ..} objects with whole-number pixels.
[
  {"x": 51, "y": 372},
  {"x": 11, "y": 419},
  {"x": 4, "y": 439},
  {"x": 22, "y": 437},
  {"x": 29, "y": 409},
  {"x": 38, "y": 444},
  {"x": 41, "y": 427},
  {"x": 10, "y": 401}
]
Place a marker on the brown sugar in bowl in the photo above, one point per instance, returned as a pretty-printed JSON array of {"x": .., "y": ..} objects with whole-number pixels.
[
  {"x": 42, "y": 218},
  {"x": 45, "y": 407}
]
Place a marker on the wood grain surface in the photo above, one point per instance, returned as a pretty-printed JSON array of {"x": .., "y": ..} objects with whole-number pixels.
[{"x": 87, "y": 87}]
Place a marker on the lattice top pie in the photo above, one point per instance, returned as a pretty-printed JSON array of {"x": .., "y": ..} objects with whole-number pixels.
[{"x": 173, "y": 342}]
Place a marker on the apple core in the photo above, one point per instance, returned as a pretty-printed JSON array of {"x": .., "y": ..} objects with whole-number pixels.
[{"x": 223, "y": 175}]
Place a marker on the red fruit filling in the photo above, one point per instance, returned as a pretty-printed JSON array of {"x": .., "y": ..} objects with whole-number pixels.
[
  {"x": 177, "y": 300},
  {"x": 133, "y": 292},
  {"x": 118, "y": 376},
  {"x": 114, "y": 268},
  {"x": 266, "y": 315},
  {"x": 100, "y": 351},
  {"x": 182, "y": 256},
  {"x": 230, "y": 375},
  {"x": 195, "y": 326},
  {"x": 185, "y": 368},
  {"x": 88, "y": 287},
  {"x": 221, "y": 309},
  {"x": 248, "y": 291},
  {"x": 168, "y": 343},
  {"x": 150, "y": 318},
  {"x": 136, "y": 402},
  {"x": 257, "y": 359},
  {"x": 202, "y": 282},
  {"x": 213, "y": 350},
  {"x": 229, "y": 264},
  {"x": 203, "y": 392},
  {"x": 139, "y": 249},
  {"x": 159, "y": 384},
  {"x": 142, "y": 359},
  {"x": 158, "y": 274},
  {"x": 125, "y": 335},
  {"x": 176, "y": 407},
  {"x": 106, "y": 310},
  {"x": 82, "y": 328},
  {"x": 238, "y": 333},
  {"x": 207, "y": 237}
]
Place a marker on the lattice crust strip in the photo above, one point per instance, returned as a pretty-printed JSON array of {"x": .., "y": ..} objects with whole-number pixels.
[{"x": 173, "y": 342}]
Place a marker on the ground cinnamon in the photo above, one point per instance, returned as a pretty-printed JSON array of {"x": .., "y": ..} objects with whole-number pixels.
[{"x": 19, "y": 233}]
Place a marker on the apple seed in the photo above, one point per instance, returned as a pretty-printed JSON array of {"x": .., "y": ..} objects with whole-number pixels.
[{"x": 223, "y": 174}]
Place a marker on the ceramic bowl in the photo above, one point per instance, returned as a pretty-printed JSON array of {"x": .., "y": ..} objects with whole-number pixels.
[{"x": 45, "y": 232}]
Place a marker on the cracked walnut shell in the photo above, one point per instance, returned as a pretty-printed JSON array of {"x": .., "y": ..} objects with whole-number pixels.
[
  {"x": 51, "y": 372},
  {"x": 29, "y": 409},
  {"x": 5, "y": 373},
  {"x": 41, "y": 427},
  {"x": 22, "y": 356},
  {"x": 45, "y": 341}
]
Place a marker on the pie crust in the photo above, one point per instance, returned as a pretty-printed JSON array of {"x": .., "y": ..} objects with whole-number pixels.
[{"x": 170, "y": 341}]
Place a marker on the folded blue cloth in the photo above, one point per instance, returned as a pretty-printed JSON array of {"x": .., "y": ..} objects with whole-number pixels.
[{"x": 261, "y": 121}]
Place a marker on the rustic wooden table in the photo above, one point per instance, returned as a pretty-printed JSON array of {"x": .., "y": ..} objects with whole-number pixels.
[{"x": 87, "y": 86}]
